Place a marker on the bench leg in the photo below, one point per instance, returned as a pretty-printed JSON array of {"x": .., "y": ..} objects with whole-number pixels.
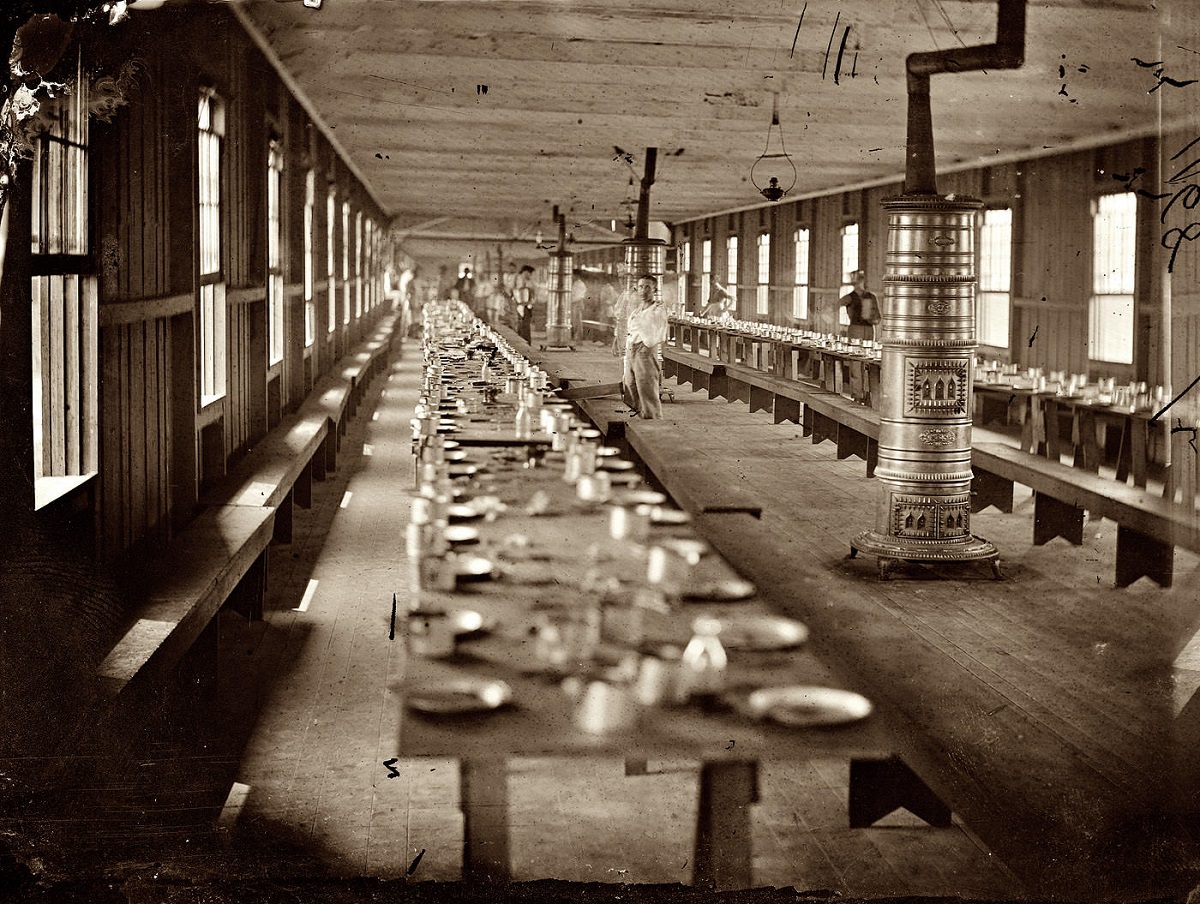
[
  {"x": 718, "y": 386},
  {"x": 283, "y": 520},
  {"x": 1052, "y": 518},
  {"x": 872, "y": 456},
  {"x": 850, "y": 442},
  {"x": 823, "y": 428},
  {"x": 303, "y": 486},
  {"x": 988, "y": 489},
  {"x": 1141, "y": 556},
  {"x": 760, "y": 399},
  {"x": 247, "y": 597},
  {"x": 723, "y": 851},
  {"x": 670, "y": 367},
  {"x": 807, "y": 419},
  {"x": 878, "y": 787},
  {"x": 738, "y": 390},
  {"x": 786, "y": 409},
  {"x": 484, "y": 791}
]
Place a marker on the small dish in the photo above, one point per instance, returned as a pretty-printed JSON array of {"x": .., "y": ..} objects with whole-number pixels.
[
  {"x": 663, "y": 515},
  {"x": 458, "y": 697},
  {"x": 607, "y": 451},
  {"x": 727, "y": 590},
  {"x": 761, "y": 633},
  {"x": 462, "y": 469},
  {"x": 615, "y": 464},
  {"x": 455, "y": 455},
  {"x": 462, "y": 512},
  {"x": 473, "y": 568},
  {"x": 688, "y": 547},
  {"x": 461, "y": 535},
  {"x": 640, "y": 497},
  {"x": 468, "y": 621},
  {"x": 804, "y": 706}
]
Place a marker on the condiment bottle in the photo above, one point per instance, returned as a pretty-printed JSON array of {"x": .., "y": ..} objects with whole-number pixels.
[{"x": 702, "y": 666}]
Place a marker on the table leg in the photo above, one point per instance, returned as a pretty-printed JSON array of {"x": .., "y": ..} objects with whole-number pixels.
[
  {"x": 484, "y": 792},
  {"x": 723, "y": 853},
  {"x": 1083, "y": 436}
]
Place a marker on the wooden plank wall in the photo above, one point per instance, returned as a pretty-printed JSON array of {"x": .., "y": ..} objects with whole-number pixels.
[{"x": 143, "y": 183}]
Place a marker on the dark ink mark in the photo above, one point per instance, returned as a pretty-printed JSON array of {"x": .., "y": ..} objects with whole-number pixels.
[
  {"x": 798, "y": 24},
  {"x": 854, "y": 66},
  {"x": 481, "y": 89},
  {"x": 390, "y": 765},
  {"x": 829, "y": 46},
  {"x": 1163, "y": 79},
  {"x": 1187, "y": 196},
  {"x": 392, "y": 629},
  {"x": 622, "y": 154},
  {"x": 382, "y": 156},
  {"x": 1165, "y": 407},
  {"x": 1179, "y": 428},
  {"x": 731, "y": 743},
  {"x": 837, "y": 69},
  {"x": 412, "y": 867},
  {"x": 1033, "y": 335},
  {"x": 1188, "y": 49},
  {"x": 873, "y": 150}
]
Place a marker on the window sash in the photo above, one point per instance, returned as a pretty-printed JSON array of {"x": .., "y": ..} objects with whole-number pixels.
[
  {"x": 331, "y": 258},
  {"x": 211, "y": 301},
  {"x": 801, "y": 241},
  {"x": 706, "y": 270},
  {"x": 275, "y": 301},
  {"x": 849, "y": 236},
  {"x": 1114, "y": 260},
  {"x": 310, "y": 264}
]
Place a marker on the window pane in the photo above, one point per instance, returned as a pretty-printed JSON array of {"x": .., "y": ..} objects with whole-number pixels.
[
  {"x": 995, "y": 278},
  {"x": 800, "y": 294},
  {"x": 1114, "y": 229}
]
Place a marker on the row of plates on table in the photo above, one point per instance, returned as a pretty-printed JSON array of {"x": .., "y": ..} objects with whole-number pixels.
[{"x": 794, "y": 706}]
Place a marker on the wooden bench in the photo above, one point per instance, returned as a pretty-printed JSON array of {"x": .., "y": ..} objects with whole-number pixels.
[
  {"x": 1148, "y": 528},
  {"x": 279, "y": 470},
  {"x": 697, "y": 370},
  {"x": 219, "y": 559},
  {"x": 693, "y": 481}
]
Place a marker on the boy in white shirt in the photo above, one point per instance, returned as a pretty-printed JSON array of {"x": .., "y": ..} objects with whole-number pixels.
[{"x": 645, "y": 332}]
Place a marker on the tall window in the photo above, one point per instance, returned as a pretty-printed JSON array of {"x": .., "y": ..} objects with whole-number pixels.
[
  {"x": 346, "y": 262},
  {"x": 275, "y": 303},
  {"x": 995, "y": 278},
  {"x": 1113, "y": 232},
  {"x": 849, "y": 265},
  {"x": 705, "y": 270},
  {"x": 64, "y": 293},
  {"x": 310, "y": 264},
  {"x": 358, "y": 264},
  {"x": 684, "y": 259},
  {"x": 331, "y": 256},
  {"x": 731, "y": 267},
  {"x": 800, "y": 292},
  {"x": 212, "y": 279},
  {"x": 762, "y": 297},
  {"x": 369, "y": 265}
]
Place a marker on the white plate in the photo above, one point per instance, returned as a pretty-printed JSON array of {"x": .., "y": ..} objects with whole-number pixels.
[
  {"x": 723, "y": 591},
  {"x": 608, "y": 451},
  {"x": 458, "y": 697},
  {"x": 807, "y": 706},
  {"x": 468, "y": 621},
  {"x": 615, "y": 464},
  {"x": 639, "y": 497},
  {"x": 758, "y": 633},
  {"x": 461, "y": 535},
  {"x": 473, "y": 568},
  {"x": 688, "y": 547},
  {"x": 462, "y": 512},
  {"x": 662, "y": 515}
]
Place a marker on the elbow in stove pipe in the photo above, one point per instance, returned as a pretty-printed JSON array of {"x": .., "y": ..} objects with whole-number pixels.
[{"x": 1008, "y": 52}]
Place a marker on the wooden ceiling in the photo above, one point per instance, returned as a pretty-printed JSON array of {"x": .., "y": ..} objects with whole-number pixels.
[{"x": 471, "y": 119}]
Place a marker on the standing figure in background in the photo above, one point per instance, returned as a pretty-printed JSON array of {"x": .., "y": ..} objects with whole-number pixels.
[
  {"x": 862, "y": 307},
  {"x": 523, "y": 297},
  {"x": 645, "y": 332},
  {"x": 466, "y": 288},
  {"x": 720, "y": 302}
]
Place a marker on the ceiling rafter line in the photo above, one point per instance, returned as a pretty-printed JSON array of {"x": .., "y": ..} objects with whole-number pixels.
[
  {"x": 1028, "y": 154},
  {"x": 305, "y": 102}
]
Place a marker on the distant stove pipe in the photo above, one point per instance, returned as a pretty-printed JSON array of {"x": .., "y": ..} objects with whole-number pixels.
[
  {"x": 923, "y": 510},
  {"x": 1008, "y": 52}
]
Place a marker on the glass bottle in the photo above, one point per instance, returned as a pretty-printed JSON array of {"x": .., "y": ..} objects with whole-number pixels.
[{"x": 702, "y": 666}]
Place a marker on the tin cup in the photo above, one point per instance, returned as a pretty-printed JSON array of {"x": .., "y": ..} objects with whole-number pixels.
[
  {"x": 605, "y": 707},
  {"x": 630, "y": 522}
]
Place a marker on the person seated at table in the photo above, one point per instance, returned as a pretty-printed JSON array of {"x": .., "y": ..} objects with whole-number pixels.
[{"x": 645, "y": 332}]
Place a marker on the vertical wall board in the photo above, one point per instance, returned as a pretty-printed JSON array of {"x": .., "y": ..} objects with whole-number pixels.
[
  {"x": 135, "y": 438},
  {"x": 111, "y": 495},
  {"x": 53, "y": 299},
  {"x": 71, "y": 388}
]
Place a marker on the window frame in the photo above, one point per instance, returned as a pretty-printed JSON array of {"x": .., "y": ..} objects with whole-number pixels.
[
  {"x": 1105, "y": 306},
  {"x": 276, "y": 307},
  {"x": 994, "y": 287},
  {"x": 762, "y": 296},
  {"x": 802, "y": 271},
  {"x": 849, "y": 236},
  {"x": 211, "y": 286}
]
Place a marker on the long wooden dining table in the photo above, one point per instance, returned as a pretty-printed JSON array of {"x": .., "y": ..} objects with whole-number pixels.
[{"x": 535, "y": 568}]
